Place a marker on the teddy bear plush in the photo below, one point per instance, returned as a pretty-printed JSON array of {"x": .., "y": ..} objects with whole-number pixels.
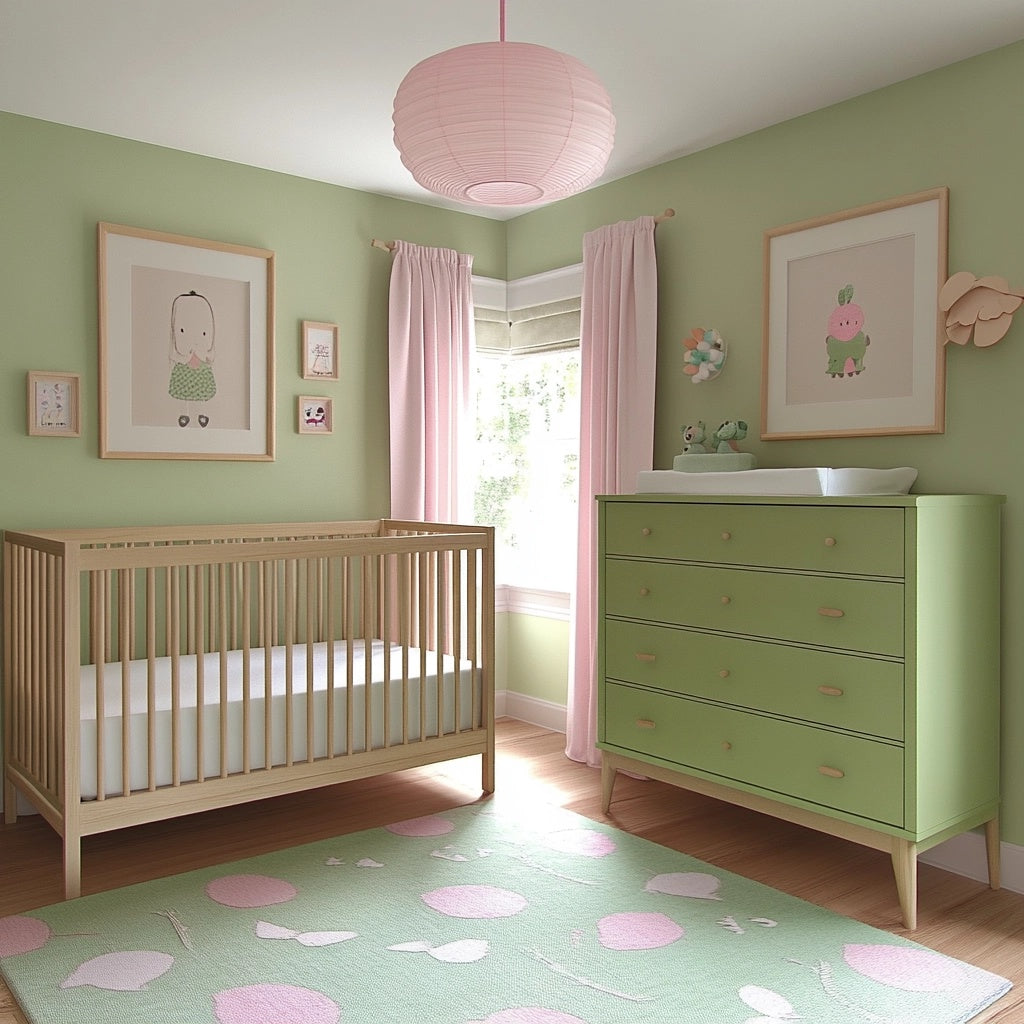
[{"x": 694, "y": 437}]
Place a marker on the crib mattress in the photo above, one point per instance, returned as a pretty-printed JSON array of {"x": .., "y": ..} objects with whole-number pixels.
[{"x": 410, "y": 700}]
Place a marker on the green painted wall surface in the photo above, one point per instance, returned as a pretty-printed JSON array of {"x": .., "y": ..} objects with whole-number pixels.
[
  {"x": 959, "y": 127},
  {"x": 537, "y": 657},
  {"x": 56, "y": 183}
]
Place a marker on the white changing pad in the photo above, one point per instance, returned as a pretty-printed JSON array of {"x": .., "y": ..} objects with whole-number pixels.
[{"x": 797, "y": 481}]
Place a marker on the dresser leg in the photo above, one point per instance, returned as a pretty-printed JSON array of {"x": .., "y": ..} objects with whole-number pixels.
[
  {"x": 607, "y": 780},
  {"x": 992, "y": 850},
  {"x": 904, "y": 864}
]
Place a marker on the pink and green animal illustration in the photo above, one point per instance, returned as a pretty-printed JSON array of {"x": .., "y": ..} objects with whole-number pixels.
[{"x": 846, "y": 342}]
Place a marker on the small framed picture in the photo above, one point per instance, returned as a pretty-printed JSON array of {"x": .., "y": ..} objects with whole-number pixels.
[
  {"x": 319, "y": 351},
  {"x": 54, "y": 404},
  {"x": 316, "y": 415}
]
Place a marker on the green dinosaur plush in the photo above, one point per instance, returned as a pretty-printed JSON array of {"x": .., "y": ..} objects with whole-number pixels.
[{"x": 724, "y": 439}]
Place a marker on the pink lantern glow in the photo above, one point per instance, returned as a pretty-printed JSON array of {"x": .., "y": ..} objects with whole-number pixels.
[{"x": 503, "y": 124}]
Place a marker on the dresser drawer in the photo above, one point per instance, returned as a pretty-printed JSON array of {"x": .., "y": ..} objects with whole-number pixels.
[
  {"x": 863, "y": 541},
  {"x": 845, "y": 773},
  {"x": 829, "y": 611},
  {"x": 840, "y": 690}
]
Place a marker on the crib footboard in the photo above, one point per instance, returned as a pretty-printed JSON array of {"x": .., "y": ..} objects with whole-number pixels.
[{"x": 152, "y": 672}]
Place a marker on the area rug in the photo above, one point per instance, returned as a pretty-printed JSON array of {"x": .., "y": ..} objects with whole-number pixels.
[{"x": 492, "y": 913}]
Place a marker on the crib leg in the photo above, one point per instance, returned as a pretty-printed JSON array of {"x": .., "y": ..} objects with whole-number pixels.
[
  {"x": 10, "y": 802},
  {"x": 487, "y": 771},
  {"x": 72, "y": 867}
]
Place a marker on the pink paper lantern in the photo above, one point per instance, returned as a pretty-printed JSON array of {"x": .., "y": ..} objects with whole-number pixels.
[{"x": 503, "y": 124}]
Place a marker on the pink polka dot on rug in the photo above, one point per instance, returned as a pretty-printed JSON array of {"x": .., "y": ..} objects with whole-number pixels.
[
  {"x": 431, "y": 825},
  {"x": 532, "y": 1015},
  {"x": 477, "y": 902},
  {"x": 246, "y": 891},
  {"x": 637, "y": 930},
  {"x": 22, "y": 935},
  {"x": 585, "y": 842},
  {"x": 274, "y": 1004},
  {"x": 906, "y": 968}
]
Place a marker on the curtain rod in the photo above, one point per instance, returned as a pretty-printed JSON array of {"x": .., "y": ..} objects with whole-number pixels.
[{"x": 390, "y": 246}]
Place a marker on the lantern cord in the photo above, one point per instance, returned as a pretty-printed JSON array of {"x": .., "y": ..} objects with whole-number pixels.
[
  {"x": 501, "y": 37},
  {"x": 378, "y": 243}
]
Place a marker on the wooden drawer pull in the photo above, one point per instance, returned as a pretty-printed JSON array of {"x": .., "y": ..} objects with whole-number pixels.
[
  {"x": 831, "y": 613},
  {"x": 726, "y": 745},
  {"x": 644, "y": 723},
  {"x": 644, "y": 591},
  {"x": 726, "y": 535},
  {"x": 830, "y": 691},
  {"x": 646, "y": 531},
  {"x": 830, "y": 542},
  {"x": 641, "y": 656},
  {"x": 723, "y": 673},
  {"x": 832, "y": 773},
  {"x": 726, "y": 600}
]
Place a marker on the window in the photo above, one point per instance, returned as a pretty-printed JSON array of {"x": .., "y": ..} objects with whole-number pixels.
[{"x": 527, "y": 438}]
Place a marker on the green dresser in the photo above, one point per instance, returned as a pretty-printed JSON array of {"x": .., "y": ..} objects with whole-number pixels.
[{"x": 831, "y": 661}]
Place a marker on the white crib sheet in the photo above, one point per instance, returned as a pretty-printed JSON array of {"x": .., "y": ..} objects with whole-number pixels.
[{"x": 211, "y": 757}]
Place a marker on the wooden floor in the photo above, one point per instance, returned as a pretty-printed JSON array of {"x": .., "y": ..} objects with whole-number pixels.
[{"x": 956, "y": 916}]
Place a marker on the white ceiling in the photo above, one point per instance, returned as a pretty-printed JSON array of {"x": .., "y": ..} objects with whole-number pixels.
[{"x": 306, "y": 86}]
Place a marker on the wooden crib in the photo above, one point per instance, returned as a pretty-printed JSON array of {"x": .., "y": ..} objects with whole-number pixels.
[{"x": 154, "y": 672}]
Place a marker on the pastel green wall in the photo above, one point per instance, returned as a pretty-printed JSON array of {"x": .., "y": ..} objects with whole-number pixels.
[
  {"x": 56, "y": 183},
  {"x": 537, "y": 657},
  {"x": 959, "y": 127}
]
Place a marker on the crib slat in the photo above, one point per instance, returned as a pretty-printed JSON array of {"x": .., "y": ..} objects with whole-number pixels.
[
  {"x": 365, "y": 617},
  {"x": 195, "y": 593},
  {"x": 329, "y": 602},
  {"x": 174, "y": 643},
  {"x": 268, "y": 589},
  {"x": 312, "y": 618},
  {"x": 349, "y": 670},
  {"x": 384, "y": 569},
  {"x": 151, "y": 711},
  {"x": 421, "y": 638},
  {"x": 99, "y": 632},
  {"x": 246, "y": 667},
  {"x": 124, "y": 627},
  {"x": 456, "y": 615},
  {"x": 472, "y": 640},
  {"x": 289, "y": 673},
  {"x": 222, "y": 647}
]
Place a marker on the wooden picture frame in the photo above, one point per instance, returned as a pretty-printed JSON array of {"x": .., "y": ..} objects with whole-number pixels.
[
  {"x": 319, "y": 350},
  {"x": 53, "y": 404},
  {"x": 853, "y": 340},
  {"x": 315, "y": 414},
  {"x": 186, "y": 347}
]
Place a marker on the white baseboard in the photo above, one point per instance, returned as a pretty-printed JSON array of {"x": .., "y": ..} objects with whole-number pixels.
[
  {"x": 965, "y": 855},
  {"x": 533, "y": 710}
]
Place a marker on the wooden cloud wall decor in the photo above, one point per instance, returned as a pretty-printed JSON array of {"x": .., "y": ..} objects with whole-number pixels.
[{"x": 984, "y": 305}]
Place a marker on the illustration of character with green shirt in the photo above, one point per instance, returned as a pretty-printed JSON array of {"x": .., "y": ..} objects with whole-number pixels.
[{"x": 191, "y": 354}]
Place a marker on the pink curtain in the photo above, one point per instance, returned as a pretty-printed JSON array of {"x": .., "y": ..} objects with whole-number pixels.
[
  {"x": 618, "y": 343},
  {"x": 430, "y": 348}
]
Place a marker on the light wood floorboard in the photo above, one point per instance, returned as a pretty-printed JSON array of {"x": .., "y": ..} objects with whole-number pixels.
[{"x": 957, "y": 916}]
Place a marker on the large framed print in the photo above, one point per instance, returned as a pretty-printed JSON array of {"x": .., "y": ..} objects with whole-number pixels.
[
  {"x": 186, "y": 347},
  {"x": 853, "y": 339}
]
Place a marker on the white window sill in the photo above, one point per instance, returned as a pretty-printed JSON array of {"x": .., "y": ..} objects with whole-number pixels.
[{"x": 546, "y": 604}]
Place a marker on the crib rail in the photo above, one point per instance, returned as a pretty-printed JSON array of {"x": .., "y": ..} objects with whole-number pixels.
[{"x": 214, "y": 606}]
